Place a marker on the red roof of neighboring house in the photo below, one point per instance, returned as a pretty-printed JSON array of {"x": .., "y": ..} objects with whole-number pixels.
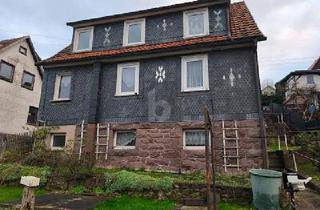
[
  {"x": 315, "y": 65},
  {"x": 8, "y": 42},
  {"x": 242, "y": 26}
]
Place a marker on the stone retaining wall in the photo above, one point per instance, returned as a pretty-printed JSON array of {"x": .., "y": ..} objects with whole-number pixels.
[{"x": 159, "y": 146}]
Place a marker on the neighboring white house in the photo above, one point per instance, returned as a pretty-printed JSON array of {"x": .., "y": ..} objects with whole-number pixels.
[
  {"x": 268, "y": 91},
  {"x": 298, "y": 86},
  {"x": 20, "y": 85}
]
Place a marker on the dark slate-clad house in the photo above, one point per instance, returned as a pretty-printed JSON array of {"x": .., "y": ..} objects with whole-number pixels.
[{"x": 131, "y": 88}]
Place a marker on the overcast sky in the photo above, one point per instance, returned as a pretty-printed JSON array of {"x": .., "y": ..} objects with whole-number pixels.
[{"x": 292, "y": 27}]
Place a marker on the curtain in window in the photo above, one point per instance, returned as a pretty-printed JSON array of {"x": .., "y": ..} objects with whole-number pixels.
[
  {"x": 195, "y": 138},
  {"x": 84, "y": 39},
  {"x": 134, "y": 33},
  {"x": 194, "y": 74},
  {"x": 128, "y": 79},
  {"x": 65, "y": 86},
  {"x": 196, "y": 24},
  {"x": 126, "y": 139}
]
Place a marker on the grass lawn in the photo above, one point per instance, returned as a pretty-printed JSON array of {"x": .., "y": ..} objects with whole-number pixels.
[
  {"x": 127, "y": 203},
  {"x": 229, "y": 206},
  {"x": 13, "y": 193},
  {"x": 310, "y": 170}
]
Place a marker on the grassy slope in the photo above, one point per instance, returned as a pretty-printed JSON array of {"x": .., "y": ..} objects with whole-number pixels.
[{"x": 13, "y": 193}]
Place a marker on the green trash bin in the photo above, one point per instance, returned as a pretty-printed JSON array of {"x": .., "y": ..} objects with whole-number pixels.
[{"x": 266, "y": 186}]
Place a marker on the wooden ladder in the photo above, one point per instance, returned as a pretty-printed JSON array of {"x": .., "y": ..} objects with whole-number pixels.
[
  {"x": 234, "y": 157},
  {"x": 102, "y": 142}
]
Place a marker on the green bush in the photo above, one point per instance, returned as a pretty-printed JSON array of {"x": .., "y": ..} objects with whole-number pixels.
[
  {"x": 129, "y": 181},
  {"x": 79, "y": 189},
  {"x": 11, "y": 173}
]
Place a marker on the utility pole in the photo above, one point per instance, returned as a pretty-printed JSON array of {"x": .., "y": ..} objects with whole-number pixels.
[{"x": 210, "y": 163}]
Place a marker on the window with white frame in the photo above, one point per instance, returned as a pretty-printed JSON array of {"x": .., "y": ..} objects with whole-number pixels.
[
  {"x": 194, "y": 74},
  {"x": 58, "y": 141},
  {"x": 83, "y": 39},
  {"x": 194, "y": 139},
  {"x": 127, "y": 79},
  {"x": 310, "y": 79},
  {"x": 62, "y": 87},
  {"x": 125, "y": 140},
  {"x": 196, "y": 23},
  {"x": 134, "y": 32}
]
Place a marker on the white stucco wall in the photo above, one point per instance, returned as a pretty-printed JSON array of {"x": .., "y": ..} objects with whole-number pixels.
[
  {"x": 302, "y": 84},
  {"x": 14, "y": 99}
]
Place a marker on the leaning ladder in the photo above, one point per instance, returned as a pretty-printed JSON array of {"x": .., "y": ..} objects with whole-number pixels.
[
  {"x": 102, "y": 148},
  {"x": 228, "y": 149}
]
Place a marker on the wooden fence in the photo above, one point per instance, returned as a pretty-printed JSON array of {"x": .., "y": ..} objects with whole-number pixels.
[{"x": 19, "y": 144}]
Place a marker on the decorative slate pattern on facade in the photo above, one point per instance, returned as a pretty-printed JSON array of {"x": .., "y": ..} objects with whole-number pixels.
[{"x": 241, "y": 22}]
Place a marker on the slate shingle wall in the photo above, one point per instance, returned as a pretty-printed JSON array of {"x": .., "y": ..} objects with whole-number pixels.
[
  {"x": 155, "y": 30},
  {"x": 157, "y": 102}
]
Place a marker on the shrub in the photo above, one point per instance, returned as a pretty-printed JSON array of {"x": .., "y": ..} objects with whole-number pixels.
[
  {"x": 11, "y": 173},
  {"x": 79, "y": 189},
  {"x": 129, "y": 181}
]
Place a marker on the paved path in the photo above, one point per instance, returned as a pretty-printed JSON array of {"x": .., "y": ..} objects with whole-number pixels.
[
  {"x": 308, "y": 200},
  {"x": 63, "y": 201}
]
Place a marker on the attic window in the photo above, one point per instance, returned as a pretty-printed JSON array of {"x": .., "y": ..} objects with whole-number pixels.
[
  {"x": 310, "y": 79},
  {"x": 134, "y": 32},
  {"x": 83, "y": 39},
  {"x": 23, "y": 50},
  {"x": 196, "y": 23}
]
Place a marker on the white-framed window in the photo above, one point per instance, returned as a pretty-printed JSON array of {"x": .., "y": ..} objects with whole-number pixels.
[
  {"x": 194, "y": 73},
  {"x": 134, "y": 32},
  {"x": 62, "y": 90},
  {"x": 58, "y": 141},
  {"x": 124, "y": 140},
  {"x": 194, "y": 139},
  {"x": 310, "y": 79},
  {"x": 127, "y": 79},
  {"x": 196, "y": 23},
  {"x": 83, "y": 38}
]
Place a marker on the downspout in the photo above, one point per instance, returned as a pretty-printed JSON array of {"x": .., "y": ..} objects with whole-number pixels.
[{"x": 263, "y": 137}]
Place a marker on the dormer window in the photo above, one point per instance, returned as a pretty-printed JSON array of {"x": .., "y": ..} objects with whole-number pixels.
[
  {"x": 196, "y": 23},
  {"x": 134, "y": 32},
  {"x": 83, "y": 39}
]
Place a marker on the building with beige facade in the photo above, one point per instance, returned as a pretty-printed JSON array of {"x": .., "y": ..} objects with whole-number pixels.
[{"x": 20, "y": 85}]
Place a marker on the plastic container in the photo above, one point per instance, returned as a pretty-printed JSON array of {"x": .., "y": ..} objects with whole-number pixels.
[{"x": 266, "y": 188}]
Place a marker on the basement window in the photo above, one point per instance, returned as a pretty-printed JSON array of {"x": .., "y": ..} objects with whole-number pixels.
[
  {"x": 127, "y": 79},
  {"x": 196, "y": 23},
  {"x": 27, "y": 80},
  {"x": 58, "y": 141},
  {"x": 83, "y": 39},
  {"x": 62, "y": 90},
  {"x": 194, "y": 139},
  {"x": 6, "y": 71},
  {"x": 194, "y": 74},
  {"x": 125, "y": 140},
  {"x": 134, "y": 32}
]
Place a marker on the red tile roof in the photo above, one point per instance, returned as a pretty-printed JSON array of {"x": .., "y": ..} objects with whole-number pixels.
[
  {"x": 242, "y": 26},
  {"x": 7, "y": 42}
]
